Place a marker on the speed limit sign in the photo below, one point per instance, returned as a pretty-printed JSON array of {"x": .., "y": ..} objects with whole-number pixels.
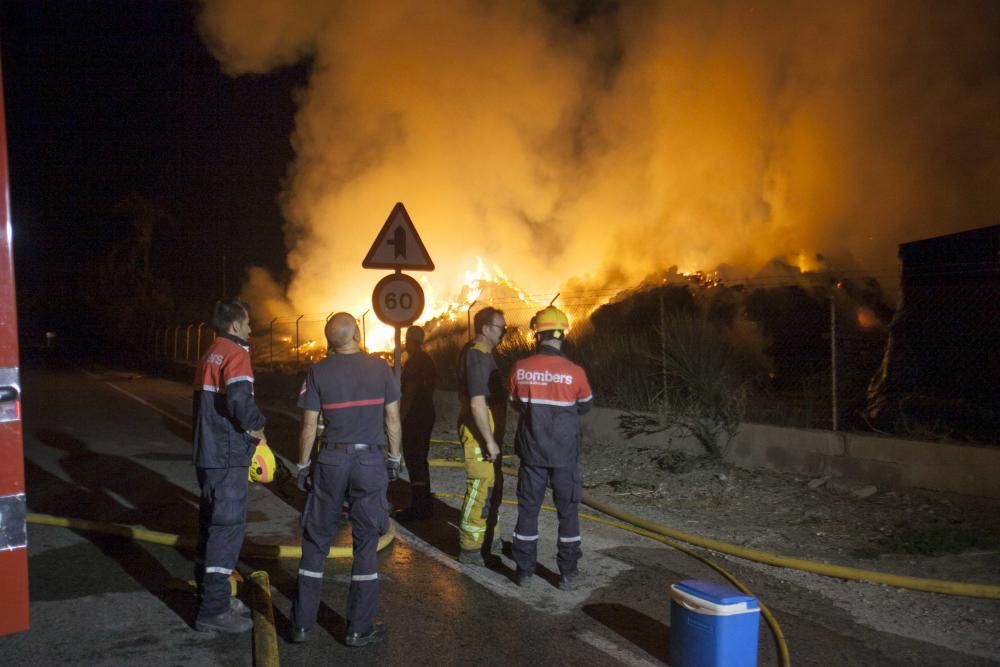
[{"x": 398, "y": 300}]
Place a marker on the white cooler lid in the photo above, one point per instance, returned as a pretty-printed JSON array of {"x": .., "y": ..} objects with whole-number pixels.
[{"x": 711, "y": 599}]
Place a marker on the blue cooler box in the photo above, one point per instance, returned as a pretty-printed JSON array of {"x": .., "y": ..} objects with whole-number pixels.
[{"x": 712, "y": 625}]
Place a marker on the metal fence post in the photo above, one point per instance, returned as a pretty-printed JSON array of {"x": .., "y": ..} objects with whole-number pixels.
[
  {"x": 198, "y": 348},
  {"x": 177, "y": 333},
  {"x": 663, "y": 350},
  {"x": 297, "y": 337},
  {"x": 468, "y": 318},
  {"x": 364, "y": 332},
  {"x": 187, "y": 342},
  {"x": 833, "y": 357},
  {"x": 270, "y": 343}
]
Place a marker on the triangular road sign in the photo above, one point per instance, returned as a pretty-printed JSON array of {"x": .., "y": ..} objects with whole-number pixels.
[{"x": 398, "y": 246}]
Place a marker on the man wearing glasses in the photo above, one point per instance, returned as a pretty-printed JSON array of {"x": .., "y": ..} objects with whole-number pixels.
[{"x": 481, "y": 420}]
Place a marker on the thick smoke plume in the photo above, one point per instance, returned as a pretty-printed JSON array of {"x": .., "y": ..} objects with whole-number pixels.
[{"x": 602, "y": 141}]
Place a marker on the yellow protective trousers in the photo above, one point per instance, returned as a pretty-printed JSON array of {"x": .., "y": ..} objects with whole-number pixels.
[{"x": 483, "y": 492}]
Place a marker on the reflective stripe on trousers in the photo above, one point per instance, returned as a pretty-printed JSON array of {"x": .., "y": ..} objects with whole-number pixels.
[
  {"x": 221, "y": 526},
  {"x": 567, "y": 487},
  {"x": 483, "y": 493},
  {"x": 361, "y": 477}
]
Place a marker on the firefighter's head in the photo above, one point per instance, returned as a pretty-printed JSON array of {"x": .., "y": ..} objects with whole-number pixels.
[
  {"x": 550, "y": 326},
  {"x": 490, "y": 325},
  {"x": 342, "y": 334},
  {"x": 232, "y": 317},
  {"x": 414, "y": 338}
]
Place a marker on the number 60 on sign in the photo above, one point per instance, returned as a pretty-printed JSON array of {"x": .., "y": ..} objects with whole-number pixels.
[{"x": 398, "y": 300}]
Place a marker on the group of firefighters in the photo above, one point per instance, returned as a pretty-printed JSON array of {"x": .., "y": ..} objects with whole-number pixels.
[{"x": 371, "y": 422}]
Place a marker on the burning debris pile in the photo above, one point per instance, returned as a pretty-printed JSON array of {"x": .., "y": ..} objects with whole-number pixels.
[
  {"x": 760, "y": 346},
  {"x": 766, "y": 339},
  {"x": 481, "y": 288}
]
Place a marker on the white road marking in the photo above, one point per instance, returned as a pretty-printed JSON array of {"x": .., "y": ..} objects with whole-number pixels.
[
  {"x": 618, "y": 653},
  {"x": 599, "y": 569},
  {"x": 174, "y": 418},
  {"x": 120, "y": 499}
]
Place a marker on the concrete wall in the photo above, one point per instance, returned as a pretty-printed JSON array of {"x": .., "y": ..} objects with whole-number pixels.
[{"x": 884, "y": 461}]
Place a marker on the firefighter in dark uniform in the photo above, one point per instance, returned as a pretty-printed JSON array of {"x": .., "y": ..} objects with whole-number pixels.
[
  {"x": 357, "y": 394},
  {"x": 227, "y": 427},
  {"x": 550, "y": 392},
  {"x": 482, "y": 414},
  {"x": 417, "y": 412}
]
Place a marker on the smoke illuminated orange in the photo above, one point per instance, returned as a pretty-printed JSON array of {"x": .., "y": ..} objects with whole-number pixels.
[{"x": 605, "y": 147}]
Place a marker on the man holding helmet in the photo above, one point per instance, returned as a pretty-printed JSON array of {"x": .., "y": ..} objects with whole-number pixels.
[
  {"x": 550, "y": 392},
  {"x": 228, "y": 428}
]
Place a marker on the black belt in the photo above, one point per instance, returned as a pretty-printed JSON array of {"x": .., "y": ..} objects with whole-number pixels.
[{"x": 363, "y": 446}]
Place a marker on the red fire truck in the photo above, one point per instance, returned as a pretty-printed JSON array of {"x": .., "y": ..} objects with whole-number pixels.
[{"x": 13, "y": 530}]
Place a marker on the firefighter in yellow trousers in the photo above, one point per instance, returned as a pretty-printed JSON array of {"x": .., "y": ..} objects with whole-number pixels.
[{"x": 480, "y": 422}]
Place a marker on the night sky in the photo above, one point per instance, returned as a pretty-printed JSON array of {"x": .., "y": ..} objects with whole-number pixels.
[{"x": 109, "y": 100}]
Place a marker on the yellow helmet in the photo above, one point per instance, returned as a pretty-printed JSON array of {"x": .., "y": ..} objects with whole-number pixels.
[
  {"x": 263, "y": 464},
  {"x": 550, "y": 319}
]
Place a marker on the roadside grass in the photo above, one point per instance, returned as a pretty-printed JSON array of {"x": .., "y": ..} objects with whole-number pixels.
[{"x": 930, "y": 541}]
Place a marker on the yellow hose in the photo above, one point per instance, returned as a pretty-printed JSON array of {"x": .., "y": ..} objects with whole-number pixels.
[
  {"x": 838, "y": 571},
  {"x": 265, "y": 637},
  {"x": 250, "y": 549},
  {"x": 458, "y": 463}
]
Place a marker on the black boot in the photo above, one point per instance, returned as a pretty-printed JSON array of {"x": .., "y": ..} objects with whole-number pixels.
[{"x": 373, "y": 636}]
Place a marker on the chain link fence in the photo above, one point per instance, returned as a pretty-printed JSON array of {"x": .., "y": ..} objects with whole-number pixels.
[
  {"x": 821, "y": 352},
  {"x": 940, "y": 374}
]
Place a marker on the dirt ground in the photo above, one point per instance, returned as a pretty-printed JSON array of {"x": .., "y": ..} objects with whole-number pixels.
[{"x": 914, "y": 533}]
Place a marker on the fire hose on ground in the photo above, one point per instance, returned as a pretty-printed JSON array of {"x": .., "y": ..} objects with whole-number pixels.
[{"x": 189, "y": 542}]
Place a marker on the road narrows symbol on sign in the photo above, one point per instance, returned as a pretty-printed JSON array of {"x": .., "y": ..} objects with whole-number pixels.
[
  {"x": 398, "y": 246},
  {"x": 398, "y": 300}
]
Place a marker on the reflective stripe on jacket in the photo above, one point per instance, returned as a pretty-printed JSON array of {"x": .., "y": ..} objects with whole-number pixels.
[{"x": 550, "y": 392}]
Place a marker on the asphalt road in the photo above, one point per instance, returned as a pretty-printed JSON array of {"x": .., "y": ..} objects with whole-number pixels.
[{"x": 114, "y": 446}]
